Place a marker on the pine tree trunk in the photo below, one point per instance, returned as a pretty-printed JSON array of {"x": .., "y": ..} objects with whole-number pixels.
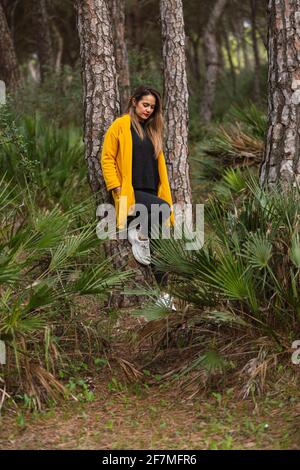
[
  {"x": 192, "y": 52},
  {"x": 43, "y": 38},
  {"x": 244, "y": 47},
  {"x": 220, "y": 50},
  {"x": 102, "y": 106},
  {"x": 257, "y": 91},
  {"x": 175, "y": 100},
  {"x": 211, "y": 60},
  {"x": 281, "y": 160},
  {"x": 117, "y": 8},
  {"x": 9, "y": 71},
  {"x": 230, "y": 59},
  {"x": 137, "y": 36},
  {"x": 59, "y": 48},
  {"x": 193, "y": 64},
  {"x": 196, "y": 59},
  {"x": 237, "y": 34}
]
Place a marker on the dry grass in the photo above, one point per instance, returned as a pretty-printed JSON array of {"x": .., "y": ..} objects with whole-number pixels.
[{"x": 197, "y": 410}]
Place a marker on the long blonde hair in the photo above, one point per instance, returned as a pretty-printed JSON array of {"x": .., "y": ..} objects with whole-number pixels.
[{"x": 154, "y": 126}]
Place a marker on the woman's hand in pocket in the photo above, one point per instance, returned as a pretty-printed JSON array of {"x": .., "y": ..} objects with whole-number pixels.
[{"x": 117, "y": 190}]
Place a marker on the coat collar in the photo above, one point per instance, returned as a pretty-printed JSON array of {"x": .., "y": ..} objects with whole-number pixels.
[{"x": 125, "y": 120}]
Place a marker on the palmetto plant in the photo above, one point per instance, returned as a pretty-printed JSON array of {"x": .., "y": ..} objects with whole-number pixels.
[
  {"x": 48, "y": 266},
  {"x": 251, "y": 117},
  {"x": 238, "y": 142},
  {"x": 245, "y": 280},
  {"x": 42, "y": 155},
  {"x": 249, "y": 264}
]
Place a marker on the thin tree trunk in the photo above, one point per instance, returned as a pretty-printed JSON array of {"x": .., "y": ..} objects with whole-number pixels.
[
  {"x": 60, "y": 48},
  {"x": 237, "y": 34},
  {"x": 11, "y": 18},
  {"x": 211, "y": 60},
  {"x": 9, "y": 70},
  {"x": 257, "y": 90},
  {"x": 117, "y": 8},
  {"x": 281, "y": 160},
  {"x": 220, "y": 49},
  {"x": 102, "y": 106},
  {"x": 244, "y": 46},
  {"x": 175, "y": 100},
  {"x": 137, "y": 35},
  {"x": 230, "y": 60},
  {"x": 192, "y": 66},
  {"x": 262, "y": 37},
  {"x": 195, "y": 46},
  {"x": 43, "y": 37}
]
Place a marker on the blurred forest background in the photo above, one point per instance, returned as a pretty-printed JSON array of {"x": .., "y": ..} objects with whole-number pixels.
[
  {"x": 237, "y": 299},
  {"x": 50, "y": 43},
  {"x": 45, "y": 87}
]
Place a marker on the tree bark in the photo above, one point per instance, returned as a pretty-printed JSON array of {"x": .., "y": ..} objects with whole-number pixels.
[
  {"x": 257, "y": 91},
  {"x": 211, "y": 60},
  {"x": 175, "y": 100},
  {"x": 117, "y": 8},
  {"x": 281, "y": 160},
  {"x": 9, "y": 70},
  {"x": 102, "y": 106}
]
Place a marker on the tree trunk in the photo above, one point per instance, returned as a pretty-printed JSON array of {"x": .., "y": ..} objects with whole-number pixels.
[
  {"x": 117, "y": 8},
  {"x": 281, "y": 160},
  {"x": 211, "y": 60},
  {"x": 230, "y": 60},
  {"x": 175, "y": 100},
  {"x": 9, "y": 71},
  {"x": 193, "y": 64},
  {"x": 9, "y": 7},
  {"x": 195, "y": 58},
  {"x": 43, "y": 38},
  {"x": 244, "y": 47},
  {"x": 237, "y": 34},
  {"x": 220, "y": 50},
  {"x": 102, "y": 106},
  {"x": 137, "y": 36},
  {"x": 257, "y": 91},
  {"x": 59, "y": 47}
]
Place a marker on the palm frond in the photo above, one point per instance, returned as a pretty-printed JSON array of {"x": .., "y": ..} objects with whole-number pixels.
[{"x": 258, "y": 250}]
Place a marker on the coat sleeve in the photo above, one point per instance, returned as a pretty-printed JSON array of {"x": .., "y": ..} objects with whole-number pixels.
[
  {"x": 165, "y": 176},
  {"x": 167, "y": 190},
  {"x": 108, "y": 159}
]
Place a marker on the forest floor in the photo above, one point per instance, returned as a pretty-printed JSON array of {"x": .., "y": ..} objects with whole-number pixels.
[{"x": 120, "y": 415}]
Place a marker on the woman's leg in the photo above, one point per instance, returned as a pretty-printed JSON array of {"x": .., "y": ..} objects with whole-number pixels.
[{"x": 148, "y": 198}]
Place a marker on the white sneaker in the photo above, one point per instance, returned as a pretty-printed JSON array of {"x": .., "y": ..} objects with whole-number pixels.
[
  {"x": 132, "y": 235},
  {"x": 166, "y": 300},
  {"x": 140, "y": 248}
]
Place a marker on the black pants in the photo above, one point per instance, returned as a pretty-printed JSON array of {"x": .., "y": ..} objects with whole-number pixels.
[{"x": 148, "y": 197}]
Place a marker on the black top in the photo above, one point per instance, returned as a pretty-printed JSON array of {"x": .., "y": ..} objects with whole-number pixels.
[{"x": 144, "y": 165}]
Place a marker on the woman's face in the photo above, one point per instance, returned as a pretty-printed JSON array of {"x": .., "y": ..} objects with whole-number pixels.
[{"x": 145, "y": 107}]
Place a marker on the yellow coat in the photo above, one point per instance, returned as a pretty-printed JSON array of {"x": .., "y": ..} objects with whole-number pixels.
[{"x": 116, "y": 163}]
